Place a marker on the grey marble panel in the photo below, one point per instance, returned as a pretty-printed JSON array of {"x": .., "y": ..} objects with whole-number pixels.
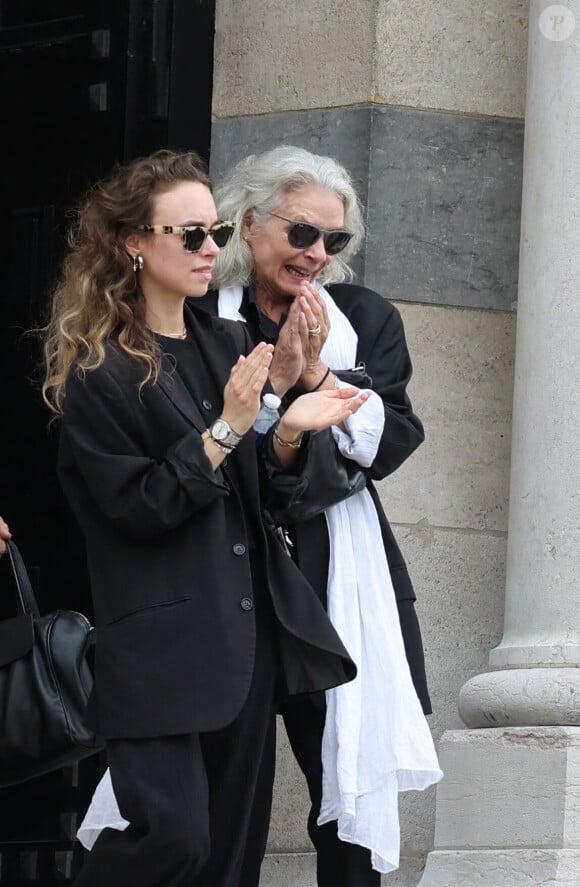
[
  {"x": 444, "y": 208},
  {"x": 442, "y": 192},
  {"x": 343, "y": 133}
]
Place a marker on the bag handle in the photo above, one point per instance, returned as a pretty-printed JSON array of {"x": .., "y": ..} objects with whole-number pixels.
[{"x": 25, "y": 595}]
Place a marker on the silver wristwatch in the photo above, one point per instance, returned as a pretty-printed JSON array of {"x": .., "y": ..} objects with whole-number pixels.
[{"x": 222, "y": 434}]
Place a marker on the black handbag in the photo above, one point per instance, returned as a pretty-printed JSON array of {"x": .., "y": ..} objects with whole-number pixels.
[{"x": 45, "y": 682}]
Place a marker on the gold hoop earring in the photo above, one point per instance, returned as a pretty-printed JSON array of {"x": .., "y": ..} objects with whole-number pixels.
[{"x": 138, "y": 264}]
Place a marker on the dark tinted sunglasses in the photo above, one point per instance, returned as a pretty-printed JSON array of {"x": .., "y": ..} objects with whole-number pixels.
[
  {"x": 194, "y": 236},
  {"x": 301, "y": 235}
]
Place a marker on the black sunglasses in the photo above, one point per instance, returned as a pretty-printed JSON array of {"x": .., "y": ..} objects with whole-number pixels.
[
  {"x": 301, "y": 235},
  {"x": 194, "y": 236}
]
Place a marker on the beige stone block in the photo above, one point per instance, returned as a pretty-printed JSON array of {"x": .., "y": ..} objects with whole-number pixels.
[
  {"x": 502, "y": 868},
  {"x": 291, "y": 802},
  {"x": 468, "y": 57},
  {"x": 529, "y": 779},
  {"x": 454, "y": 55},
  {"x": 272, "y": 55},
  {"x": 459, "y": 578},
  {"x": 462, "y": 388},
  {"x": 508, "y": 810},
  {"x": 299, "y": 870}
]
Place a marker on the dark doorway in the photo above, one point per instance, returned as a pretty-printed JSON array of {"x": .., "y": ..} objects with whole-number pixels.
[{"x": 84, "y": 84}]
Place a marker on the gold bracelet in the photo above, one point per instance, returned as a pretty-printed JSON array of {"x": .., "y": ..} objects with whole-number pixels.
[{"x": 294, "y": 444}]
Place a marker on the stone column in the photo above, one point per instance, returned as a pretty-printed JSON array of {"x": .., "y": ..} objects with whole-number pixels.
[{"x": 508, "y": 810}]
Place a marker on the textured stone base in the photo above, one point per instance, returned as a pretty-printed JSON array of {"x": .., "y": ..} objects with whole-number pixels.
[
  {"x": 288, "y": 870},
  {"x": 299, "y": 870},
  {"x": 521, "y": 696},
  {"x": 502, "y": 868},
  {"x": 508, "y": 809},
  {"x": 509, "y": 788}
]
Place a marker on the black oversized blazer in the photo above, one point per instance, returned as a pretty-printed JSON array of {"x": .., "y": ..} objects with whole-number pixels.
[
  {"x": 168, "y": 553},
  {"x": 382, "y": 350}
]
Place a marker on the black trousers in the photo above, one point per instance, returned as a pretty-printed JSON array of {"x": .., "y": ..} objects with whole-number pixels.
[
  {"x": 338, "y": 863},
  {"x": 198, "y": 804}
]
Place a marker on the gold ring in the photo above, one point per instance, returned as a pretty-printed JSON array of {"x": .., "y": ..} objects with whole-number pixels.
[{"x": 316, "y": 331}]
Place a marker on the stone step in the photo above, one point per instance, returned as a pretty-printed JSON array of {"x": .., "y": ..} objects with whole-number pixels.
[{"x": 299, "y": 870}]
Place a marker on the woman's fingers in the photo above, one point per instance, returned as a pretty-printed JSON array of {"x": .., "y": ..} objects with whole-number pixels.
[
  {"x": 312, "y": 320},
  {"x": 287, "y": 361},
  {"x": 244, "y": 387},
  {"x": 321, "y": 409},
  {"x": 357, "y": 402},
  {"x": 253, "y": 368},
  {"x": 315, "y": 308},
  {"x": 285, "y": 369},
  {"x": 314, "y": 329},
  {"x": 5, "y": 534},
  {"x": 315, "y": 320},
  {"x": 354, "y": 397},
  {"x": 261, "y": 355},
  {"x": 346, "y": 407}
]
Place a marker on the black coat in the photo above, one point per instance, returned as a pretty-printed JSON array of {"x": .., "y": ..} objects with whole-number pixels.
[
  {"x": 168, "y": 552},
  {"x": 382, "y": 348}
]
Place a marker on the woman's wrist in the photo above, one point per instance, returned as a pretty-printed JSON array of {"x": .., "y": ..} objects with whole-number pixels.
[
  {"x": 286, "y": 444},
  {"x": 319, "y": 384},
  {"x": 215, "y": 454},
  {"x": 287, "y": 437},
  {"x": 279, "y": 384},
  {"x": 323, "y": 380},
  {"x": 327, "y": 382},
  {"x": 312, "y": 377}
]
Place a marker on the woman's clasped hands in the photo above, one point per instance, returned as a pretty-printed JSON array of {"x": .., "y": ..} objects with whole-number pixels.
[
  {"x": 309, "y": 412},
  {"x": 301, "y": 339}
]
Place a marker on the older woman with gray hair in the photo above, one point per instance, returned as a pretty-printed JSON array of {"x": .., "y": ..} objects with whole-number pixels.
[{"x": 286, "y": 275}]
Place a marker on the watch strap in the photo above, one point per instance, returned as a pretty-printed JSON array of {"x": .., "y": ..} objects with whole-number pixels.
[{"x": 218, "y": 444}]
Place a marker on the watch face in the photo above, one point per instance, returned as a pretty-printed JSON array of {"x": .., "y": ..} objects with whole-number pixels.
[
  {"x": 223, "y": 433},
  {"x": 220, "y": 429}
]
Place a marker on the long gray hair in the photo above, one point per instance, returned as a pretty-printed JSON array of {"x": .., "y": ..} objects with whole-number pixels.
[{"x": 258, "y": 184}]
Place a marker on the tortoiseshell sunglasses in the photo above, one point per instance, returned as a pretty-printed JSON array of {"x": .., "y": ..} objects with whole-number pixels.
[{"x": 194, "y": 236}]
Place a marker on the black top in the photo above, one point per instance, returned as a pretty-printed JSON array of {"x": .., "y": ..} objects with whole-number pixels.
[{"x": 261, "y": 327}]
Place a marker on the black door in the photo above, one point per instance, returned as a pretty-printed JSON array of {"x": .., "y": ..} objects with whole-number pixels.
[{"x": 85, "y": 83}]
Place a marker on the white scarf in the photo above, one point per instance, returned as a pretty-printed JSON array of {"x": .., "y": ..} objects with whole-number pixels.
[{"x": 376, "y": 739}]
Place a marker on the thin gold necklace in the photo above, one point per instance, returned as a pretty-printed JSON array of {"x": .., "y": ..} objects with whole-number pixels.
[{"x": 181, "y": 335}]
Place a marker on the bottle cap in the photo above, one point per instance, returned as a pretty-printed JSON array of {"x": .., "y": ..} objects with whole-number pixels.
[{"x": 272, "y": 401}]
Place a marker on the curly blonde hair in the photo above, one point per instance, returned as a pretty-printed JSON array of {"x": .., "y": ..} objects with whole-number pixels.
[{"x": 97, "y": 297}]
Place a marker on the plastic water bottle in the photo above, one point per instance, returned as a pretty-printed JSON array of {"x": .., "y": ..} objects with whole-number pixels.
[{"x": 267, "y": 416}]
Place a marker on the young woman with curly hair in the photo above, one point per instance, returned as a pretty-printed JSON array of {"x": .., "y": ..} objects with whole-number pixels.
[{"x": 202, "y": 619}]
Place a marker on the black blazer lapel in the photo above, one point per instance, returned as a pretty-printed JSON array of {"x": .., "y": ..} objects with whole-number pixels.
[
  {"x": 175, "y": 390},
  {"x": 219, "y": 351},
  {"x": 217, "y": 345}
]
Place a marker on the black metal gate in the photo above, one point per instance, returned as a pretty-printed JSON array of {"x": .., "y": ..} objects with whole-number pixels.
[{"x": 85, "y": 83}]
